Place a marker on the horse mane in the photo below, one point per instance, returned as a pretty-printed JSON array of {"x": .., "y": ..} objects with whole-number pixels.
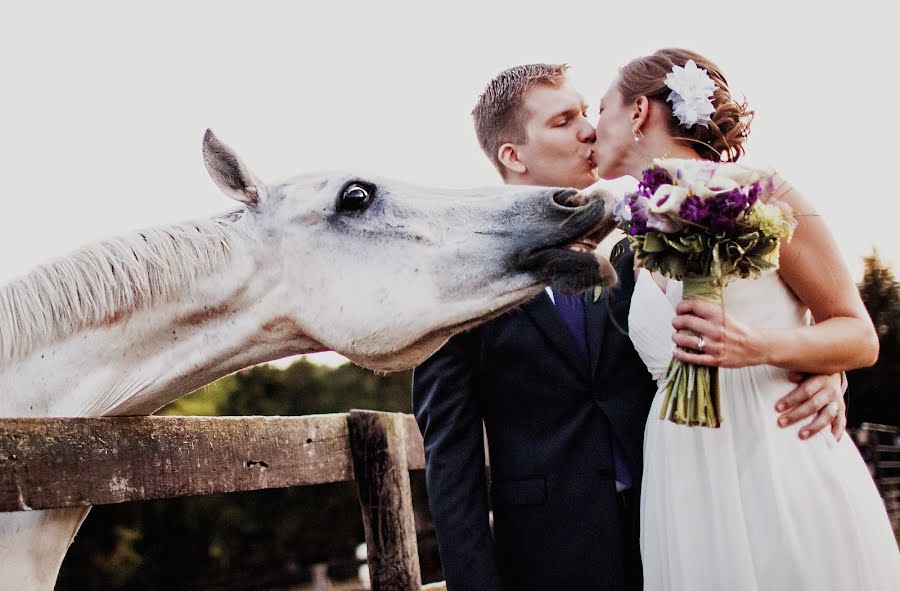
[{"x": 104, "y": 282}]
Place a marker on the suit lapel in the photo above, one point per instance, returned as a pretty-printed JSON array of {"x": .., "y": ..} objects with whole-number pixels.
[
  {"x": 595, "y": 323},
  {"x": 543, "y": 313}
]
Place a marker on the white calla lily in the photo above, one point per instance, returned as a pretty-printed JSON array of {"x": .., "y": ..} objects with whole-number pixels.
[{"x": 667, "y": 199}]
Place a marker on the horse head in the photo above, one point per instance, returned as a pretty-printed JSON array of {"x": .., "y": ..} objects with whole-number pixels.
[{"x": 385, "y": 272}]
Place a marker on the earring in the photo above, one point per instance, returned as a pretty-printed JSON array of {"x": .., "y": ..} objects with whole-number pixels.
[{"x": 636, "y": 138}]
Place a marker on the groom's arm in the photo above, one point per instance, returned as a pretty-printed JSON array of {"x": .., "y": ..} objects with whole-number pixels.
[{"x": 448, "y": 411}]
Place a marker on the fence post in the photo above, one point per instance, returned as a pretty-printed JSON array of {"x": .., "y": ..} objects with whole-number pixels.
[{"x": 378, "y": 446}]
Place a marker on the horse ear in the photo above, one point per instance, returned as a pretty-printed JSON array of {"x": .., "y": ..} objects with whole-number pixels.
[{"x": 229, "y": 172}]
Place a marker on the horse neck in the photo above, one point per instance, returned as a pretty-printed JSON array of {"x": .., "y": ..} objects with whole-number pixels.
[{"x": 223, "y": 322}]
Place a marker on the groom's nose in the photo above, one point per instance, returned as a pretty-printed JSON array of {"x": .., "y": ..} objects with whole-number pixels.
[{"x": 586, "y": 133}]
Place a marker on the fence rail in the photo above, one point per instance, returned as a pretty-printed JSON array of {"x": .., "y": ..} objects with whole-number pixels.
[{"x": 70, "y": 462}]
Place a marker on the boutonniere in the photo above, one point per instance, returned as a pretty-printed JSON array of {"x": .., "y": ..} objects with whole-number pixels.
[{"x": 598, "y": 291}]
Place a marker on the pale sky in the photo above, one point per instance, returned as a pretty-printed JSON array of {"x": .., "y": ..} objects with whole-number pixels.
[{"x": 103, "y": 104}]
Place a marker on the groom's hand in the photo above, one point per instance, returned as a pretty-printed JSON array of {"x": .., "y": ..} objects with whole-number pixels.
[{"x": 817, "y": 396}]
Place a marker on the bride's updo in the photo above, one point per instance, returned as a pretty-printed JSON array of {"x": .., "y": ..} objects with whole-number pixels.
[{"x": 724, "y": 137}]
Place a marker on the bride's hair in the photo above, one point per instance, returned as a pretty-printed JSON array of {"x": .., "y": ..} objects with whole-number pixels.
[{"x": 730, "y": 125}]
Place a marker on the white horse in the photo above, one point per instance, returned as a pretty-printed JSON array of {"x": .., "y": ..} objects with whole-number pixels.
[{"x": 381, "y": 272}]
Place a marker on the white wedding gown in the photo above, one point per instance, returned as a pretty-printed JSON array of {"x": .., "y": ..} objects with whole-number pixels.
[{"x": 750, "y": 506}]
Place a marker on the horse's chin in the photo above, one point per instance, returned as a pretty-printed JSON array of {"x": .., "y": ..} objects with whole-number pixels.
[
  {"x": 572, "y": 271},
  {"x": 424, "y": 347}
]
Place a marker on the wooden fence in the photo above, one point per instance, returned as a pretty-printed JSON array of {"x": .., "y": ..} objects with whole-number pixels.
[
  {"x": 71, "y": 462},
  {"x": 880, "y": 446}
]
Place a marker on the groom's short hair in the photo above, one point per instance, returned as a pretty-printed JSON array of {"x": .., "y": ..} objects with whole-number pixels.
[{"x": 500, "y": 112}]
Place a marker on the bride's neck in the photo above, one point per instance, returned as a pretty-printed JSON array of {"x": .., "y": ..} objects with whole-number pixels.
[{"x": 658, "y": 146}]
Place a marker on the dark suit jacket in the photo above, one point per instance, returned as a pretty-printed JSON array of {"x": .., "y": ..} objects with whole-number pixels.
[{"x": 549, "y": 417}]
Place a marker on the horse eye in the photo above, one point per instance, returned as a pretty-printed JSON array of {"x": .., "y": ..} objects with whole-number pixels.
[{"x": 354, "y": 197}]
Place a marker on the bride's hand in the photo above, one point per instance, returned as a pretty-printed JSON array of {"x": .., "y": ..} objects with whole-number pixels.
[{"x": 726, "y": 342}]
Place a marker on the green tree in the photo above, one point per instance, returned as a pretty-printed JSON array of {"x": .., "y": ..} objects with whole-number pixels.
[{"x": 874, "y": 391}]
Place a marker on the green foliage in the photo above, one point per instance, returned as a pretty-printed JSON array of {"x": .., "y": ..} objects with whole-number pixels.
[
  {"x": 214, "y": 541},
  {"x": 302, "y": 388},
  {"x": 699, "y": 252}
]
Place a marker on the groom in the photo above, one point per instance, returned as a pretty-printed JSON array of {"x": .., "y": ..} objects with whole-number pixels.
[{"x": 561, "y": 392}]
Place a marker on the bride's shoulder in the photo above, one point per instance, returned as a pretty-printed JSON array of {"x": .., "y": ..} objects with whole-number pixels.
[
  {"x": 810, "y": 262},
  {"x": 778, "y": 189},
  {"x": 773, "y": 186}
]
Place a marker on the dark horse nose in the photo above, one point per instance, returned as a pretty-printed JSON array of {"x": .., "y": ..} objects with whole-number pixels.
[{"x": 569, "y": 198}]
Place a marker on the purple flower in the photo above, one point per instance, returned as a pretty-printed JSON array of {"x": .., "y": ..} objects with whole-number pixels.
[
  {"x": 731, "y": 203},
  {"x": 753, "y": 194},
  {"x": 720, "y": 212},
  {"x": 622, "y": 210},
  {"x": 652, "y": 179},
  {"x": 725, "y": 209},
  {"x": 638, "y": 204},
  {"x": 694, "y": 210},
  {"x": 721, "y": 222}
]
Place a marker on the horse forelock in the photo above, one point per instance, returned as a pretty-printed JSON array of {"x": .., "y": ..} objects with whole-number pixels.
[{"x": 108, "y": 281}]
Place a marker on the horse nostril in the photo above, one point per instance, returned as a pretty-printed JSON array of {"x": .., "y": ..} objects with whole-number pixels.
[{"x": 569, "y": 198}]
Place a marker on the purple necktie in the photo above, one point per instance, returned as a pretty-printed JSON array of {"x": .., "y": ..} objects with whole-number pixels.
[{"x": 571, "y": 310}]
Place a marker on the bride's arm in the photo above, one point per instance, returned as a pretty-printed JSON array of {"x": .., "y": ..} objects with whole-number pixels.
[{"x": 842, "y": 337}]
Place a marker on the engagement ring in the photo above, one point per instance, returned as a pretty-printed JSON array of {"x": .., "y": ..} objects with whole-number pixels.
[{"x": 700, "y": 344}]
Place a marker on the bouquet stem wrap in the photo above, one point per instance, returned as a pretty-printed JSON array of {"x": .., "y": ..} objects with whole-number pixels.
[{"x": 692, "y": 393}]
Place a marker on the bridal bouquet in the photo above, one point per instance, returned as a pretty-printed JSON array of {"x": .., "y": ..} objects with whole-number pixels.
[{"x": 704, "y": 223}]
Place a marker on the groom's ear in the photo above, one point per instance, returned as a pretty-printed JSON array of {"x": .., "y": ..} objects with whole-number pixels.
[{"x": 508, "y": 155}]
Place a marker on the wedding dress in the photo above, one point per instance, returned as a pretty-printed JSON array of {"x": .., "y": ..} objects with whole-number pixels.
[{"x": 750, "y": 506}]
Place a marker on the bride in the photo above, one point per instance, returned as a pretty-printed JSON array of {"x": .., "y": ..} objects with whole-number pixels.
[{"x": 745, "y": 506}]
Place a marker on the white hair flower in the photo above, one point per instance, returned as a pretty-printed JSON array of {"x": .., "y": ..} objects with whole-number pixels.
[{"x": 692, "y": 91}]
